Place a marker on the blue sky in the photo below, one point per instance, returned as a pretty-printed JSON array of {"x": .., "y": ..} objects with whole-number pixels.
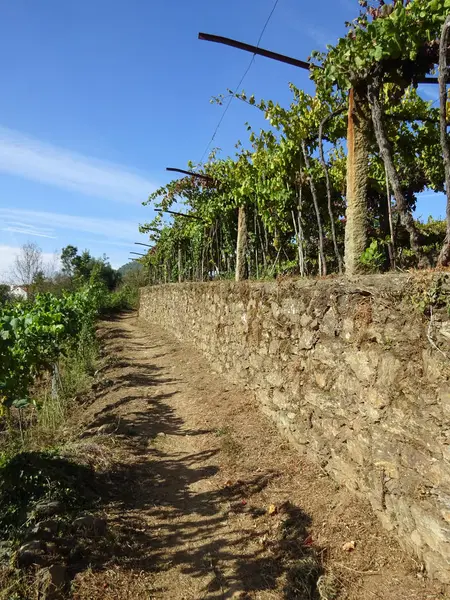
[{"x": 99, "y": 96}]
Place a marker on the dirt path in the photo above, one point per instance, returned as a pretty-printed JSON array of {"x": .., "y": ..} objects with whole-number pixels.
[{"x": 207, "y": 501}]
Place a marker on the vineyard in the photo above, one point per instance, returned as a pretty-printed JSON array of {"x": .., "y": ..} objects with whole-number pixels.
[
  {"x": 35, "y": 335},
  {"x": 332, "y": 183},
  {"x": 130, "y": 469}
]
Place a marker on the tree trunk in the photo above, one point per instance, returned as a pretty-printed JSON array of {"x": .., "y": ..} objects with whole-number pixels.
[
  {"x": 255, "y": 227},
  {"x": 323, "y": 263},
  {"x": 261, "y": 241},
  {"x": 357, "y": 176},
  {"x": 328, "y": 186},
  {"x": 391, "y": 225},
  {"x": 298, "y": 224},
  {"x": 241, "y": 246},
  {"x": 444, "y": 256},
  {"x": 384, "y": 146}
]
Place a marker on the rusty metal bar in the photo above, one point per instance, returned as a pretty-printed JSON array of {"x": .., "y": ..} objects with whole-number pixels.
[
  {"x": 191, "y": 173},
  {"x": 171, "y": 212},
  {"x": 255, "y": 50}
]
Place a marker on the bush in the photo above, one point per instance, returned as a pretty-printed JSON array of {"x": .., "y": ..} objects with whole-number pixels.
[
  {"x": 32, "y": 477},
  {"x": 125, "y": 298},
  {"x": 373, "y": 257}
]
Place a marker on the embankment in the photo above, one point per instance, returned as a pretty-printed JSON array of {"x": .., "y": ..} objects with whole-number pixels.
[{"x": 350, "y": 372}]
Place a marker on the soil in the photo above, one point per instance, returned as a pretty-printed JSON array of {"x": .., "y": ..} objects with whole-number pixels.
[{"x": 206, "y": 500}]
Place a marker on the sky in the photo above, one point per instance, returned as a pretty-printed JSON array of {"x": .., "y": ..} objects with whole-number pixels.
[{"x": 100, "y": 96}]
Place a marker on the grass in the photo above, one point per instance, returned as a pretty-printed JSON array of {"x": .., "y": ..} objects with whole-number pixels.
[
  {"x": 229, "y": 445},
  {"x": 29, "y": 478},
  {"x": 38, "y": 465},
  {"x": 125, "y": 298},
  {"x": 74, "y": 379},
  {"x": 302, "y": 579},
  {"x": 32, "y": 468}
]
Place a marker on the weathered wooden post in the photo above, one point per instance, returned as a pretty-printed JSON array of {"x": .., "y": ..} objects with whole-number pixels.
[
  {"x": 241, "y": 246},
  {"x": 180, "y": 277}
]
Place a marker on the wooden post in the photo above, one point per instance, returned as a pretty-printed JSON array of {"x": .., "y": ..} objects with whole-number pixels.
[
  {"x": 357, "y": 176},
  {"x": 241, "y": 246},
  {"x": 180, "y": 278}
]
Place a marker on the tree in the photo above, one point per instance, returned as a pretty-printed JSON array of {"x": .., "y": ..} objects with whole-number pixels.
[
  {"x": 27, "y": 264},
  {"x": 80, "y": 267},
  {"x": 4, "y": 293},
  {"x": 67, "y": 257}
]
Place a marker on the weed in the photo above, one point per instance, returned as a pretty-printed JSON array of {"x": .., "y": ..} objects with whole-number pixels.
[
  {"x": 16, "y": 584},
  {"x": 302, "y": 579},
  {"x": 373, "y": 257},
  {"x": 29, "y": 478},
  {"x": 328, "y": 587},
  {"x": 125, "y": 298},
  {"x": 221, "y": 431},
  {"x": 229, "y": 444},
  {"x": 432, "y": 295}
]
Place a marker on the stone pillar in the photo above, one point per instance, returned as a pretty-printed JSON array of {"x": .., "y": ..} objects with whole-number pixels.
[{"x": 357, "y": 176}]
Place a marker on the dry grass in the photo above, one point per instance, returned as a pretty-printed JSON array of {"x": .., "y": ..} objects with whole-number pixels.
[{"x": 228, "y": 442}]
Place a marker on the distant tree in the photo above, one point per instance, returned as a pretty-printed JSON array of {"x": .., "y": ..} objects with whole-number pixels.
[
  {"x": 82, "y": 267},
  {"x": 134, "y": 277},
  {"x": 27, "y": 264},
  {"x": 4, "y": 293},
  {"x": 68, "y": 255},
  {"x": 41, "y": 283}
]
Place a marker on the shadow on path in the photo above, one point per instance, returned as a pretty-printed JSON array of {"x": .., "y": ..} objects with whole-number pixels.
[{"x": 168, "y": 506}]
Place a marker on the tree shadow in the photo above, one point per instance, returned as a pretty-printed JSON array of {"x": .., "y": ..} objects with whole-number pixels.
[
  {"x": 167, "y": 505},
  {"x": 179, "y": 493}
]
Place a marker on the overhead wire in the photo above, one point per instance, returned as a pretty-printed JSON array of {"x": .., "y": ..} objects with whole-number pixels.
[{"x": 236, "y": 89}]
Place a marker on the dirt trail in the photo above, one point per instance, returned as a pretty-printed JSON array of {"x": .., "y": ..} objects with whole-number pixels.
[{"x": 197, "y": 472}]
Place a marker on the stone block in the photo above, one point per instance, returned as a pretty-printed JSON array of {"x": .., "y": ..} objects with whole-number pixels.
[{"x": 363, "y": 364}]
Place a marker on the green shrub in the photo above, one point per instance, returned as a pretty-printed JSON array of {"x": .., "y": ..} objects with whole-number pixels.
[
  {"x": 373, "y": 257},
  {"x": 32, "y": 477}
]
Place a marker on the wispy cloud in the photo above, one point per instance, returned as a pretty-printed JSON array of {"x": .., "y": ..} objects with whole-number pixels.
[
  {"x": 39, "y": 161},
  {"x": 319, "y": 35},
  {"x": 430, "y": 92},
  {"x": 28, "y": 231},
  {"x": 37, "y": 223}
]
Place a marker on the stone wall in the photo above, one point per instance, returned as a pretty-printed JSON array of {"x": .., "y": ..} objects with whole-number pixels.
[{"x": 349, "y": 372}]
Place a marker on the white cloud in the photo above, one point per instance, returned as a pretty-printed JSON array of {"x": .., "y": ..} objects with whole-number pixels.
[
  {"x": 9, "y": 253},
  {"x": 38, "y": 222},
  {"x": 28, "y": 231},
  {"x": 30, "y": 158}
]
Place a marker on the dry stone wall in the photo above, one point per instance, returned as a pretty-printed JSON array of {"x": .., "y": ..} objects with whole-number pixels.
[{"x": 350, "y": 373}]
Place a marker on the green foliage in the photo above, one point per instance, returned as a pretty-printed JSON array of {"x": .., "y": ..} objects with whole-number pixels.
[
  {"x": 4, "y": 294},
  {"x": 125, "y": 298},
  {"x": 35, "y": 334},
  {"x": 84, "y": 268},
  {"x": 28, "y": 478},
  {"x": 273, "y": 178},
  {"x": 432, "y": 295},
  {"x": 400, "y": 36},
  {"x": 373, "y": 257}
]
